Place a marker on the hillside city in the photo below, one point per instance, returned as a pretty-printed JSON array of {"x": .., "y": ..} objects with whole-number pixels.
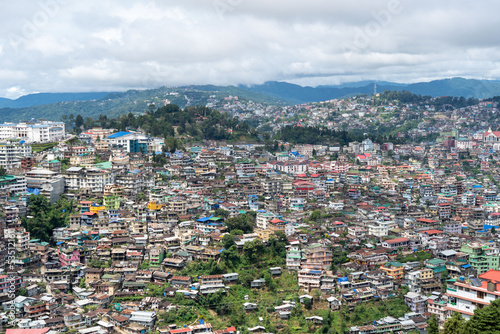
[{"x": 369, "y": 214}]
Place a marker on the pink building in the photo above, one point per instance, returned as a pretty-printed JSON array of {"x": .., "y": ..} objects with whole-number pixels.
[{"x": 69, "y": 256}]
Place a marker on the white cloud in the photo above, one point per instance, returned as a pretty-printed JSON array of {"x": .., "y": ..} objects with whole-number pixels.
[
  {"x": 14, "y": 92},
  {"x": 67, "y": 45}
]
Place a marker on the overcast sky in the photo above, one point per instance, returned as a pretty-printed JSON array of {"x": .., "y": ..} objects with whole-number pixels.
[{"x": 108, "y": 45}]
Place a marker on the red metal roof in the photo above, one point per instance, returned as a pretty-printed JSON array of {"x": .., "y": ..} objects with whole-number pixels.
[
  {"x": 395, "y": 241},
  {"x": 431, "y": 232},
  {"x": 27, "y": 331}
]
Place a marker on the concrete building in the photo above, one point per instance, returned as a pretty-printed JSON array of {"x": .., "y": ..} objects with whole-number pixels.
[
  {"x": 11, "y": 154},
  {"x": 39, "y": 132},
  {"x": 45, "y": 182},
  {"x": 468, "y": 294}
]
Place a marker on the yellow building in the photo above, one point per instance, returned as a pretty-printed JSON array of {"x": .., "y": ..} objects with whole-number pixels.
[
  {"x": 263, "y": 234},
  {"x": 393, "y": 269},
  {"x": 426, "y": 274},
  {"x": 155, "y": 206},
  {"x": 96, "y": 208}
]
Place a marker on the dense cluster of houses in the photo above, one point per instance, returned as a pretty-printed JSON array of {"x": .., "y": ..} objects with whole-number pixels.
[{"x": 361, "y": 222}]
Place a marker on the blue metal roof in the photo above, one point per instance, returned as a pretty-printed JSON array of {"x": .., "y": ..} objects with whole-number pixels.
[
  {"x": 204, "y": 219},
  {"x": 118, "y": 134}
]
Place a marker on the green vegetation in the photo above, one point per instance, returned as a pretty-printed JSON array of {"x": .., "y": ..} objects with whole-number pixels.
[
  {"x": 99, "y": 263},
  {"x": 454, "y": 325},
  {"x": 433, "y": 327},
  {"x": 405, "y": 97},
  {"x": 127, "y": 298},
  {"x": 22, "y": 292},
  {"x": 44, "y": 217},
  {"x": 244, "y": 222},
  {"x": 366, "y": 312},
  {"x": 321, "y": 135},
  {"x": 417, "y": 256},
  {"x": 226, "y": 309},
  {"x": 42, "y": 147},
  {"x": 144, "y": 265},
  {"x": 173, "y": 123},
  {"x": 251, "y": 263}
]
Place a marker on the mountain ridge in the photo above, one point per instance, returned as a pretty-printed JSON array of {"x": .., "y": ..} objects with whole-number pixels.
[
  {"x": 47, "y": 98},
  {"x": 112, "y": 104}
]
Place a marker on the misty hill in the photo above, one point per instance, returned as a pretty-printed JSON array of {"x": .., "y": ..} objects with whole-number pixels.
[
  {"x": 54, "y": 105},
  {"x": 118, "y": 103},
  {"x": 446, "y": 87},
  {"x": 47, "y": 98},
  {"x": 296, "y": 94}
]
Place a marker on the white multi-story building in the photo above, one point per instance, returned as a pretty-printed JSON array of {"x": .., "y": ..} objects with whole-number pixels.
[
  {"x": 297, "y": 204},
  {"x": 263, "y": 218},
  {"x": 133, "y": 142},
  {"x": 336, "y": 205},
  {"x": 20, "y": 236},
  {"x": 464, "y": 144},
  {"x": 45, "y": 182},
  {"x": 294, "y": 258},
  {"x": 11, "y": 154},
  {"x": 438, "y": 308},
  {"x": 12, "y": 184},
  {"x": 94, "y": 179},
  {"x": 467, "y": 295},
  {"x": 310, "y": 279},
  {"x": 379, "y": 228},
  {"x": 40, "y": 132}
]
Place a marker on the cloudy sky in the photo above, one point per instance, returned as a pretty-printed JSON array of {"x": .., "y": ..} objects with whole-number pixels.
[{"x": 108, "y": 45}]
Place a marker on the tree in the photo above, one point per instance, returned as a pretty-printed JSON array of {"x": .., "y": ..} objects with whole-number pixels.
[
  {"x": 484, "y": 320},
  {"x": 454, "y": 325},
  {"x": 155, "y": 290},
  {"x": 444, "y": 275},
  {"x": 44, "y": 217},
  {"x": 308, "y": 303},
  {"x": 228, "y": 241},
  {"x": 433, "y": 327},
  {"x": 244, "y": 222},
  {"x": 141, "y": 197},
  {"x": 144, "y": 265},
  {"x": 221, "y": 213},
  {"x": 493, "y": 230},
  {"x": 79, "y": 122},
  {"x": 315, "y": 215},
  {"x": 253, "y": 249},
  {"x": 22, "y": 292},
  {"x": 230, "y": 257},
  {"x": 3, "y": 171}
]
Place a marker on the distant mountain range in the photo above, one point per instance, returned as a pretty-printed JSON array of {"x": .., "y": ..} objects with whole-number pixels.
[
  {"x": 446, "y": 87},
  {"x": 112, "y": 104},
  {"x": 47, "y": 98}
]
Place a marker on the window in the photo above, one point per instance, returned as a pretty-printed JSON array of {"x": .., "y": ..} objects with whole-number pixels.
[{"x": 480, "y": 294}]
